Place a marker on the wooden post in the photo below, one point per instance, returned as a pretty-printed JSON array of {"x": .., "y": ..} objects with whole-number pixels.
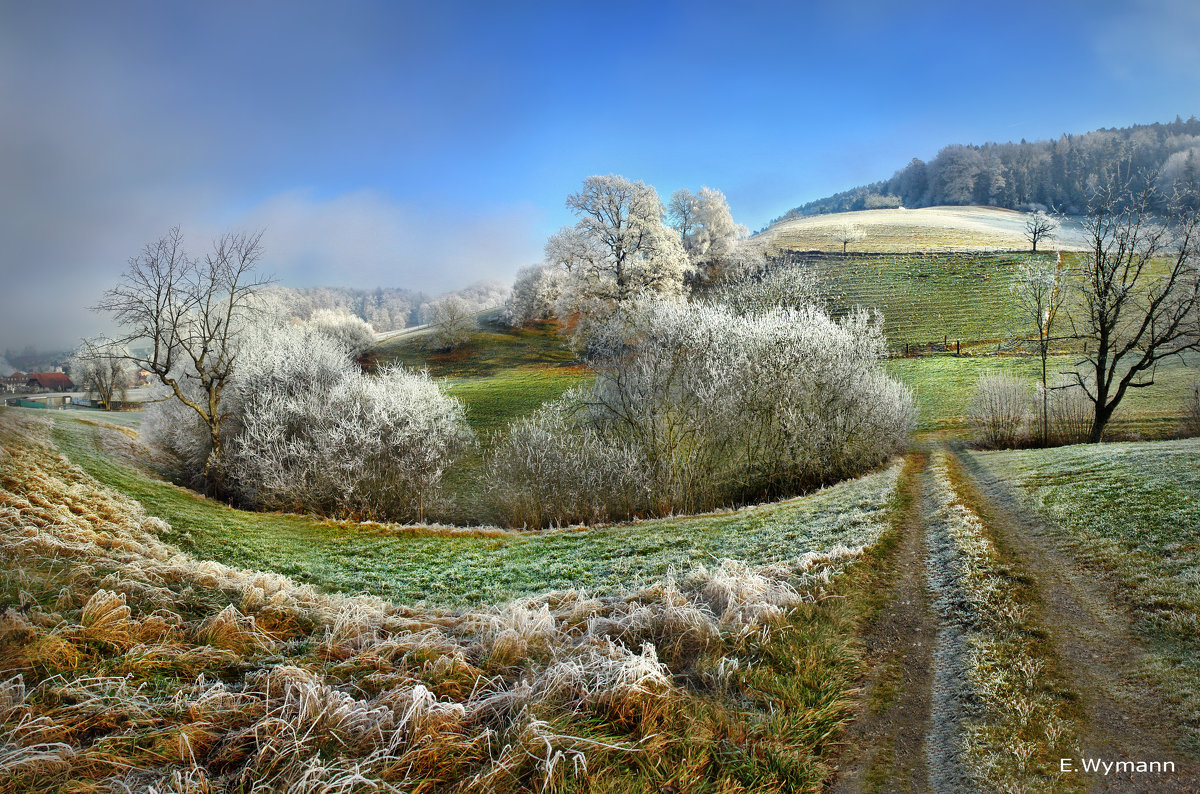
[{"x": 957, "y": 347}]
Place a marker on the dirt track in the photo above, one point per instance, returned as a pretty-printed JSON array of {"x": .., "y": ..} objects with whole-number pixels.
[{"x": 900, "y": 740}]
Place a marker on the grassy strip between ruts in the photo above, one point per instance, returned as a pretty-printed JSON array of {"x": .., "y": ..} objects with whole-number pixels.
[
  {"x": 138, "y": 667},
  {"x": 1000, "y": 719},
  {"x": 1133, "y": 511}
]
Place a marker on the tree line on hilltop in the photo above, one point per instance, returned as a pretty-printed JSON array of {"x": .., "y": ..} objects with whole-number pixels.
[{"x": 1056, "y": 174}]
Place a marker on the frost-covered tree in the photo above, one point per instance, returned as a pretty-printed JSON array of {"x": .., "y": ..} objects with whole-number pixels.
[
  {"x": 849, "y": 233},
  {"x": 101, "y": 368},
  {"x": 535, "y": 294},
  {"x": 706, "y": 229},
  {"x": 1039, "y": 292},
  {"x": 451, "y": 322},
  {"x": 572, "y": 249},
  {"x": 638, "y": 252}
]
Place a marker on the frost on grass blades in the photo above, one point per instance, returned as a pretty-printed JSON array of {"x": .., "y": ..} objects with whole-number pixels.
[
  {"x": 995, "y": 726},
  {"x": 1130, "y": 510},
  {"x": 137, "y": 667}
]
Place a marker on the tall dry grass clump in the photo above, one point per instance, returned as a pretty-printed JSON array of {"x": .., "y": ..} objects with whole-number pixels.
[{"x": 127, "y": 665}]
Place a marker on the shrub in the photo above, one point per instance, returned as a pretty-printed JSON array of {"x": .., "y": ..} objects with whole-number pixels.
[
  {"x": 353, "y": 333},
  {"x": 708, "y": 408},
  {"x": 1191, "y": 411},
  {"x": 309, "y": 431},
  {"x": 775, "y": 288},
  {"x": 1000, "y": 410},
  {"x": 555, "y": 468},
  {"x": 1071, "y": 412}
]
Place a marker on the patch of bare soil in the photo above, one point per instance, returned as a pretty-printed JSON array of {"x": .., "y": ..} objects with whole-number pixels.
[
  {"x": 885, "y": 748},
  {"x": 1124, "y": 720}
]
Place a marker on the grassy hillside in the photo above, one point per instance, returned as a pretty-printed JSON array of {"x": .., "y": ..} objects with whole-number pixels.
[
  {"x": 132, "y": 666},
  {"x": 458, "y": 568},
  {"x": 502, "y": 374},
  {"x": 904, "y": 230},
  {"x": 944, "y": 383}
]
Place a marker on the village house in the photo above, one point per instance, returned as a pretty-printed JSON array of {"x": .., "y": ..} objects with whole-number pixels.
[{"x": 48, "y": 381}]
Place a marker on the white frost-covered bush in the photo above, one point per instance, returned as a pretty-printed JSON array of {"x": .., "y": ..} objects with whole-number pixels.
[
  {"x": 1070, "y": 412},
  {"x": 555, "y": 469},
  {"x": 1000, "y": 409},
  {"x": 535, "y": 294},
  {"x": 710, "y": 408},
  {"x": 353, "y": 333},
  {"x": 307, "y": 430}
]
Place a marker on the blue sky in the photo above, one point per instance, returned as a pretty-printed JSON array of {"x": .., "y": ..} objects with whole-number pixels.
[{"x": 431, "y": 145}]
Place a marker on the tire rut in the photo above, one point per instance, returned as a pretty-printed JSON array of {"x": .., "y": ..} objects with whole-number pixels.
[
  {"x": 886, "y": 743},
  {"x": 1123, "y": 718}
]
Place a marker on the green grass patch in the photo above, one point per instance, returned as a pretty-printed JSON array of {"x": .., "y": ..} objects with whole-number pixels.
[
  {"x": 944, "y": 384},
  {"x": 461, "y": 569},
  {"x": 493, "y": 348},
  {"x": 501, "y": 375},
  {"x": 492, "y": 402}
]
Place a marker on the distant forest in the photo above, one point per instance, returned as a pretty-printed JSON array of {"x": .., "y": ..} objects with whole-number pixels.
[
  {"x": 385, "y": 308},
  {"x": 1056, "y": 174}
]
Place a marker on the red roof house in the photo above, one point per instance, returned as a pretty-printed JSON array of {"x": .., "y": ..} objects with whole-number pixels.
[{"x": 51, "y": 381}]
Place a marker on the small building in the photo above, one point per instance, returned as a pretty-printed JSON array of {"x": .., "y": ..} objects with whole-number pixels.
[
  {"x": 49, "y": 381},
  {"x": 58, "y": 401}
]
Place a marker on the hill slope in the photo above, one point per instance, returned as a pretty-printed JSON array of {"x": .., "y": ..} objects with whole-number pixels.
[{"x": 904, "y": 230}]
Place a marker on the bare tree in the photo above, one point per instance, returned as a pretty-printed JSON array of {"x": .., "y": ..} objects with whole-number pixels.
[
  {"x": 1039, "y": 294},
  {"x": 183, "y": 316},
  {"x": 1039, "y": 226},
  {"x": 102, "y": 369},
  {"x": 849, "y": 233},
  {"x": 1139, "y": 294},
  {"x": 682, "y": 213}
]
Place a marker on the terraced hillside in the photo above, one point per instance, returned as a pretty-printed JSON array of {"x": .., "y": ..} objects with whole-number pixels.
[{"x": 926, "y": 299}]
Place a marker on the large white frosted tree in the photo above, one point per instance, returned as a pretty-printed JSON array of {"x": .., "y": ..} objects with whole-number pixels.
[
  {"x": 706, "y": 227},
  {"x": 624, "y": 248}
]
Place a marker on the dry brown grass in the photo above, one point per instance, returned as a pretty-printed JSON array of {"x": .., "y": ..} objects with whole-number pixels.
[{"x": 126, "y": 665}]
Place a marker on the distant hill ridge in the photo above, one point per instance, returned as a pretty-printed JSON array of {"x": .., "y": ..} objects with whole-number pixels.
[{"x": 1054, "y": 174}]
